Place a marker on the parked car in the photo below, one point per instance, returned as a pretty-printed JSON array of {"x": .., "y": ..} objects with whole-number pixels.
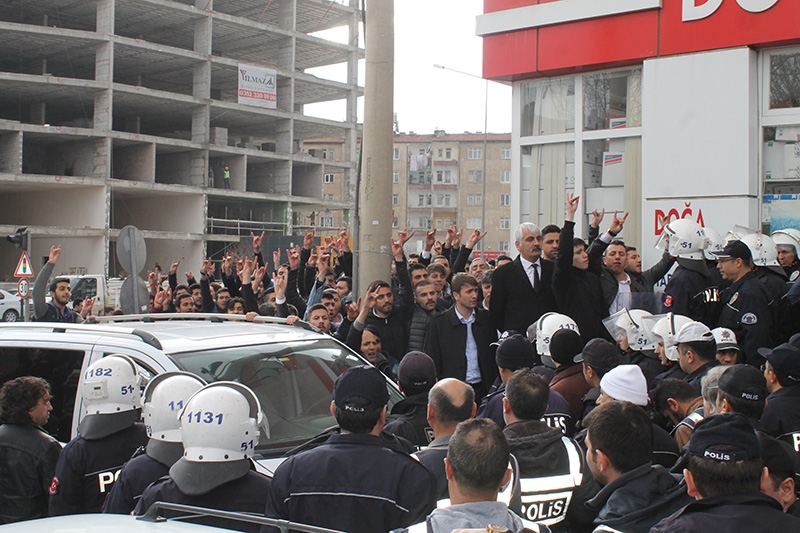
[
  {"x": 291, "y": 369},
  {"x": 9, "y": 306}
]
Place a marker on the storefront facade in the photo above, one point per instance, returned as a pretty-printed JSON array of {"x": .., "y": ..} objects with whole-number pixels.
[{"x": 661, "y": 108}]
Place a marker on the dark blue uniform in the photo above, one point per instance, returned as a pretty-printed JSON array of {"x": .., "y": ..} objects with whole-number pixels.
[
  {"x": 746, "y": 311},
  {"x": 87, "y": 469},
  {"x": 781, "y": 416},
  {"x": 352, "y": 483},
  {"x": 690, "y": 293},
  {"x": 753, "y": 513},
  {"x": 412, "y": 424},
  {"x": 556, "y": 416},
  {"x": 246, "y": 494},
  {"x": 137, "y": 474}
]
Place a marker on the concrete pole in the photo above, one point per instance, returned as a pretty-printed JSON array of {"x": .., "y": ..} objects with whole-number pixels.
[{"x": 375, "y": 202}]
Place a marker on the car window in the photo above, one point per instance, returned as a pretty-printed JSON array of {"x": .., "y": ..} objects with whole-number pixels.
[
  {"x": 293, "y": 381},
  {"x": 84, "y": 288},
  {"x": 62, "y": 370}
]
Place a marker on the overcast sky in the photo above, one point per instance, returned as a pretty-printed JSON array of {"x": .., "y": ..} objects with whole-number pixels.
[{"x": 429, "y": 32}]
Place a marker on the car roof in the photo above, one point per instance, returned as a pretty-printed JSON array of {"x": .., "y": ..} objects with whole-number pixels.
[
  {"x": 102, "y": 523},
  {"x": 179, "y": 336}
]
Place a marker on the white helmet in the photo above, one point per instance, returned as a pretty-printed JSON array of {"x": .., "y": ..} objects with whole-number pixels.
[
  {"x": 633, "y": 326},
  {"x": 683, "y": 238},
  {"x": 220, "y": 423},
  {"x": 788, "y": 237},
  {"x": 548, "y": 324},
  {"x": 112, "y": 385},
  {"x": 667, "y": 328},
  {"x": 164, "y": 399},
  {"x": 715, "y": 244},
  {"x": 762, "y": 248}
]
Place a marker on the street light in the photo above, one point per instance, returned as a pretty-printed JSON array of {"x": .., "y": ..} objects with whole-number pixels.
[{"x": 485, "y": 134}]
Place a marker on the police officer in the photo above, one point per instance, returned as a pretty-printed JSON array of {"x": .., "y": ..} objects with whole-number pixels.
[
  {"x": 220, "y": 429},
  {"x": 781, "y": 416},
  {"x": 690, "y": 291},
  {"x": 552, "y": 482},
  {"x": 787, "y": 244},
  {"x": 415, "y": 375},
  {"x": 746, "y": 308},
  {"x": 107, "y": 437},
  {"x": 164, "y": 398}
]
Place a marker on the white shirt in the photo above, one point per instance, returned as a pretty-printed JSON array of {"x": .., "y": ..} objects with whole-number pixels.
[
  {"x": 623, "y": 298},
  {"x": 473, "y": 371},
  {"x": 529, "y": 271}
]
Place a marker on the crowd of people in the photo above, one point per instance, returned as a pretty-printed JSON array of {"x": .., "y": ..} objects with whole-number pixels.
[{"x": 556, "y": 391}]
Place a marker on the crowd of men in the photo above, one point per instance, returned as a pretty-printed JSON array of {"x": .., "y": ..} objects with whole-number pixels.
[{"x": 554, "y": 391}]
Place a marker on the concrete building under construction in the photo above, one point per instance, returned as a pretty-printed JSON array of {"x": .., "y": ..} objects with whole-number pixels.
[{"x": 138, "y": 112}]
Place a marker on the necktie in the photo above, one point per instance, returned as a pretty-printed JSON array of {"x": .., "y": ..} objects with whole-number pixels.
[{"x": 536, "y": 284}]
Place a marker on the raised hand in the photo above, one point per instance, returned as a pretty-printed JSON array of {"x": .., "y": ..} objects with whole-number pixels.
[
  {"x": 597, "y": 217},
  {"x": 55, "y": 253},
  {"x": 572, "y": 206},
  {"x": 475, "y": 238},
  {"x": 257, "y": 242},
  {"x": 617, "y": 223}
]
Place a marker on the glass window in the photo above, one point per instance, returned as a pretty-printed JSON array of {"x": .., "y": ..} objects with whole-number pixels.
[
  {"x": 470, "y": 199},
  {"x": 421, "y": 200},
  {"x": 505, "y": 176},
  {"x": 502, "y": 246},
  {"x": 784, "y": 80},
  {"x": 396, "y": 155},
  {"x": 448, "y": 153},
  {"x": 505, "y": 152},
  {"x": 475, "y": 153},
  {"x": 473, "y": 222},
  {"x": 548, "y": 106},
  {"x": 439, "y": 176},
  {"x": 395, "y": 177},
  {"x": 330, "y": 154},
  {"x": 475, "y": 176},
  {"x": 440, "y": 152},
  {"x": 478, "y": 199},
  {"x": 395, "y": 200},
  {"x": 505, "y": 222},
  {"x": 394, "y": 222},
  {"x": 448, "y": 177},
  {"x": 612, "y": 100},
  {"x": 505, "y": 200},
  {"x": 327, "y": 178}
]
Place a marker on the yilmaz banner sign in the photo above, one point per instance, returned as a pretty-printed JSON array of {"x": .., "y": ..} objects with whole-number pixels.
[{"x": 258, "y": 86}]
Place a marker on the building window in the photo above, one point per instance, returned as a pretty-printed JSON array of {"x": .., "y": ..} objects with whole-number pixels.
[
  {"x": 394, "y": 222},
  {"x": 473, "y": 223},
  {"x": 428, "y": 198},
  {"x": 505, "y": 223},
  {"x": 421, "y": 200},
  {"x": 440, "y": 152},
  {"x": 327, "y": 178},
  {"x": 331, "y": 154},
  {"x": 475, "y": 153},
  {"x": 443, "y": 200},
  {"x": 395, "y": 199},
  {"x": 438, "y": 223},
  {"x": 505, "y": 200},
  {"x": 502, "y": 246},
  {"x": 425, "y": 223},
  {"x": 505, "y": 176},
  {"x": 422, "y": 151},
  {"x": 330, "y": 197},
  {"x": 448, "y": 153},
  {"x": 478, "y": 199},
  {"x": 396, "y": 177},
  {"x": 475, "y": 176},
  {"x": 326, "y": 221},
  {"x": 445, "y": 177},
  {"x": 470, "y": 199},
  {"x": 396, "y": 155},
  {"x": 505, "y": 153}
]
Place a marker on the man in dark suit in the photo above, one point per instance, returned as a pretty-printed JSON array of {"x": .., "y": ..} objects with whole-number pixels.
[
  {"x": 521, "y": 290},
  {"x": 459, "y": 339}
]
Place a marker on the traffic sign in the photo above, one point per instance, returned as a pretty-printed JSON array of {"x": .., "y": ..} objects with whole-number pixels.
[
  {"x": 24, "y": 269},
  {"x": 23, "y": 287}
]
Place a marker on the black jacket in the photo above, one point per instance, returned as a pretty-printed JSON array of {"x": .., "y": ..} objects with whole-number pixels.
[
  {"x": 638, "y": 499},
  {"x": 394, "y": 328},
  {"x": 754, "y": 513},
  {"x": 515, "y": 305},
  {"x": 446, "y": 344},
  {"x": 418, "y": 329},
  {"x": 692, "y": 293},
  {"x": 28, "y": 458},
  {"x": 352, "y": 483},
  {"x": 578, "y": 293},
  {"x": 412, "y": 424},
  {"x": 747, "y": 312}
]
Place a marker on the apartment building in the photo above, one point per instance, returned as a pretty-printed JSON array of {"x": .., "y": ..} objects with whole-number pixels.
[{"x": 132, "y": 112}]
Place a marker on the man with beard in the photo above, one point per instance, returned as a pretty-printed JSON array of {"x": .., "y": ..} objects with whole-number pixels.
[
  {"x": 58, "y": 309},
  {"x": 424, "y": 309}
]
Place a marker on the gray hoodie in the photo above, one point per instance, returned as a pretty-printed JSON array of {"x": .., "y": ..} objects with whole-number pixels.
[{"x": 474, "y": 515}]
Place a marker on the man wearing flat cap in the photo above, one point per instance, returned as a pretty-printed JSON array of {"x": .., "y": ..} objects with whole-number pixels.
[
  {"x": 354, "y": 482},
  {"x": 416, "y": 375},
  {"x": 781, "y": 416},
  {"x": 724, "y": 475},
  {"x": 746, "y": 310}
]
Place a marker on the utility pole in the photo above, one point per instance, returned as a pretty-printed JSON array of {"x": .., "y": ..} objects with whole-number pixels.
[{"x": 375, "y": 194}]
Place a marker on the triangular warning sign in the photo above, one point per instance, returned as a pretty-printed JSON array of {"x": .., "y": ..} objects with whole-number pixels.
[{"x": 24, "y": 269}]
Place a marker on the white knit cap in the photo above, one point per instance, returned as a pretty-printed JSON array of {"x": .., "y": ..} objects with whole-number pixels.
[{"x": 625, "y": 383}]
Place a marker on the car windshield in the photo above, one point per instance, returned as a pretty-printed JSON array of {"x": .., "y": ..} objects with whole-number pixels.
[{"x": 293, "y": 380}]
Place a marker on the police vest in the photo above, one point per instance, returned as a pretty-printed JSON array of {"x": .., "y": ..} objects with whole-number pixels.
[{"x": 546, "y": 499}]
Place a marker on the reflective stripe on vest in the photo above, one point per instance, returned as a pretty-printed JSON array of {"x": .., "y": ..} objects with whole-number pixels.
[
  {"x": 692, "y": 419},
  {"x": 546, "y": 499}
]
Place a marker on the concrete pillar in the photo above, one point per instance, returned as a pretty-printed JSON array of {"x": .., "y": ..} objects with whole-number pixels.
[{"x": 375, "y": 226}]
